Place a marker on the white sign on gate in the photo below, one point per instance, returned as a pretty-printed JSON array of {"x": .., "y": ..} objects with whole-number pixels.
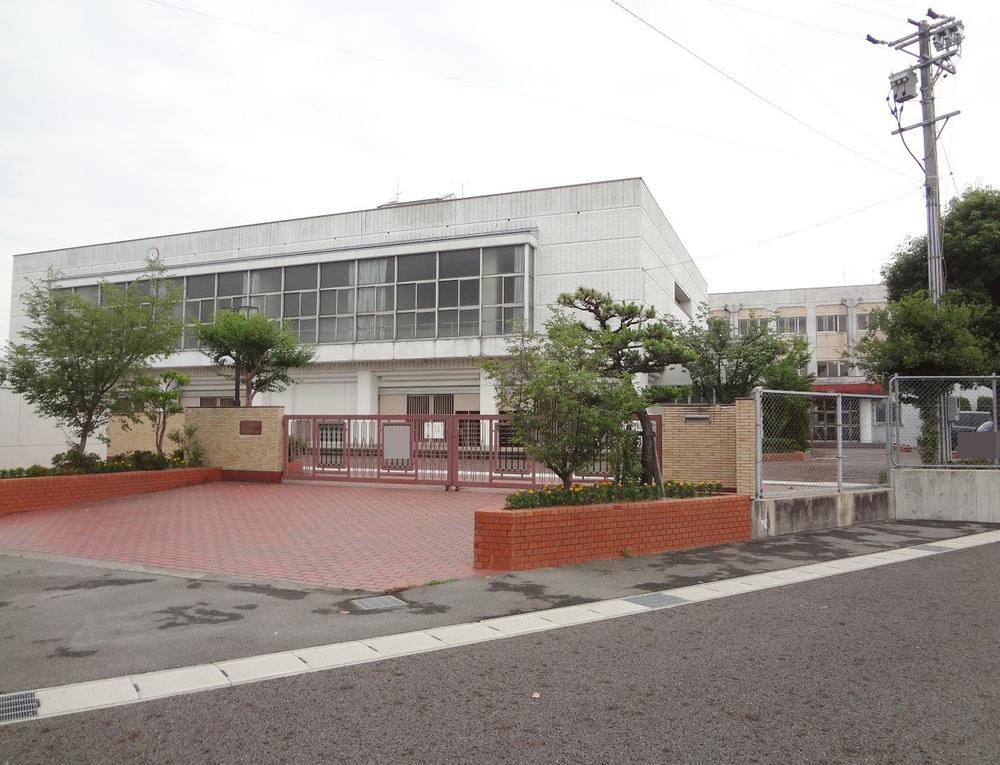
[{"x": 396, "y": 446}]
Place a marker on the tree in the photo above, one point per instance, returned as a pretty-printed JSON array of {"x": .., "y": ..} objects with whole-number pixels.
[
  {"x": 83, "y": 363},
  {"x": 159, "y": 398},
  {"x": 971, "y": 231},
  {"x": 565, "y": 410},
  {"x": 971, "y": 234},
  {"x": 727, "y": 366},
  {"x": 264, "y": 352},
  {"x": 628, "y": 339},
  {"x": 913, "y": 336}
]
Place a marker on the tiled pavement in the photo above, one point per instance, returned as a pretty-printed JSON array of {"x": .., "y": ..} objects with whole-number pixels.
[{"x": 339, "y": 536}]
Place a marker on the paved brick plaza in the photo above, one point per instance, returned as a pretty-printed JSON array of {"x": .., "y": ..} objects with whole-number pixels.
[{"x": 370, "y": 538}]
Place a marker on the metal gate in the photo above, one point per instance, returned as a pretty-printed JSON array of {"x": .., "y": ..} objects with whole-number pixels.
[{"x": 447, "y": 450}]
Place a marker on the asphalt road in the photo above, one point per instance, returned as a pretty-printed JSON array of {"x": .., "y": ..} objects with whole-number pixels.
[
  {"x": 896, "y": 664},
  {"x": 62, "y": 622}
]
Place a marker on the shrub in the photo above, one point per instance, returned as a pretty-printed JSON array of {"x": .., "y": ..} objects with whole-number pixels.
[
  {"x": 72, "y": 461},
  {"x": 591, "y": 494},
  {"x": 147, "y": 460},
  {"x": 984, "y": 404},
  {"x": 190, "y": 451},
  {"x": 964, "y": 405}
]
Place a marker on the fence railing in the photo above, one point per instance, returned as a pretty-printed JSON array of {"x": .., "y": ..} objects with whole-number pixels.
[
  {"x": 449, "y": 450},
  {"x": 810, "y": 442},
  {"x": 944, "y": 421}
]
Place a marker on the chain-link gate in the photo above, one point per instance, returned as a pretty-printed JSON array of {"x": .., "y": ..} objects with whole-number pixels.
[
  {"x": 944, "y": 421},
  {"x": 810, "y": 442}
]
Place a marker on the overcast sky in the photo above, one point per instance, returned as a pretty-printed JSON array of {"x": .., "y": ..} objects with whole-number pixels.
[{"x": 129, "y": 118}]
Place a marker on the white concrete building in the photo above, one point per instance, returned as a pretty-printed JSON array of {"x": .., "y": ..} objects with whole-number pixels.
[
  {"x": 832, "y": 319},
  {"x": 400, "y": 300}
]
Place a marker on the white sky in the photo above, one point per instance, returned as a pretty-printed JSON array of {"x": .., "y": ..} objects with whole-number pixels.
[{"x": 126, "y": 118}]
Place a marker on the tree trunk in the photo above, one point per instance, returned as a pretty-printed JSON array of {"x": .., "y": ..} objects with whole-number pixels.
[
  {"x": 81, "y": 447},
  {"x": 161, "y": 428},
  {"x": 650, "y": 461},
  {"x": 248, "y": 390}
]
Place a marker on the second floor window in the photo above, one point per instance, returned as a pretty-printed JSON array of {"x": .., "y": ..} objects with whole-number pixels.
[
  {"x": 833, "y": 369},
  {"x": 792, "y": 325},
  {"x": 831, "y": 323}
]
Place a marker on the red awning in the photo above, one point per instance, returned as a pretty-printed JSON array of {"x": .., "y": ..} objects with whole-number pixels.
[{"x": 859, "y": 387}]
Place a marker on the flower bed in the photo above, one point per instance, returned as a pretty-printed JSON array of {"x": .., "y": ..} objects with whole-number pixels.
[
  {"x": 511, "y": 540},
  {"x": 606, "y": 491},
  {"x": 62, "y": 490}
]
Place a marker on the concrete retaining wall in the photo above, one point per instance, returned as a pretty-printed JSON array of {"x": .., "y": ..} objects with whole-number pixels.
[
  {"x": 788, "y": 515},
  {"x": 948, "y": 495}
]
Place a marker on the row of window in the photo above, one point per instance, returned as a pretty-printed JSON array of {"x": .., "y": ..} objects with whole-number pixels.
[
  {"x": 457, "y": 293},
  {"x": 796, "y": 325},
  {"x": 833, "y": 369}
]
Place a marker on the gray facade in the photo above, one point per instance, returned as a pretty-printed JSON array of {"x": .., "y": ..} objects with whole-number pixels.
[{"x": 402, "y": 299}]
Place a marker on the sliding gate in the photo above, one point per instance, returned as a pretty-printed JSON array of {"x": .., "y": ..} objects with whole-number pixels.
[{"x": 447, "y": 450}]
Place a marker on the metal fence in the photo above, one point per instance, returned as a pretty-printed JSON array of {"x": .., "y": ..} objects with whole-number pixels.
[
  {"x": 811, "y": 442},
  {"x": 944, "y": 421},
  {"x": 448, "y": 450}
]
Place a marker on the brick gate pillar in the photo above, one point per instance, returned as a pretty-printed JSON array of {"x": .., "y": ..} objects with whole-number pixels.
[{"x": 248, "y": 443}]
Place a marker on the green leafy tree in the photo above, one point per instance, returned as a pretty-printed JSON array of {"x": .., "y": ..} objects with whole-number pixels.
[
  {"x": 566, "y": 411},
  {"x": 628, "y": 339},
  {"x": 82, "y": 363},
  {"x": 156, "y": 401},
  {"x": 971, "y": 241},
  {"x": 264, "y": 352},
  {"x": 913, "y": 336},
  {"x": 726, "y": 365}
]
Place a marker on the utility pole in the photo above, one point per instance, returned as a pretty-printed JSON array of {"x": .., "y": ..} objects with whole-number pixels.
[{"x": 946, "y": 33}]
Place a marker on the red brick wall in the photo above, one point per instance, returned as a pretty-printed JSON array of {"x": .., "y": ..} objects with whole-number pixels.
[
  {"x": 511, "y": 540},
  {"x": 19, "y": 494}
]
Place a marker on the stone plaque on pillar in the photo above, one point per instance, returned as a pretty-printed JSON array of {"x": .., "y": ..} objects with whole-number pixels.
[{"x": 251, "y": 427}]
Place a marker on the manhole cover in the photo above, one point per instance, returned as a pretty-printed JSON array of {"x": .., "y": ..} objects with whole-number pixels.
[
  {"x": 655, "y": 600},
  {"x": 378, "y": 603},
  {"x": 17, "y": 706}
]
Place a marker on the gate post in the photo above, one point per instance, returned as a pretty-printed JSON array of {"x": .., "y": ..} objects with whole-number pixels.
[
  {"x": 840, "y": 442},
  {"x": 451, "y": 443},
  {"x": 758, "y": 471}
]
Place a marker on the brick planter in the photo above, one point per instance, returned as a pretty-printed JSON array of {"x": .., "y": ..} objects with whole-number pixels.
[
  {"x": 511, "y": 540},
  {"x": 20, "y": 494}
]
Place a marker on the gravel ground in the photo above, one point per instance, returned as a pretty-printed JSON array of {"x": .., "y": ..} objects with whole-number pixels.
[{"x": 890, "y": 665}]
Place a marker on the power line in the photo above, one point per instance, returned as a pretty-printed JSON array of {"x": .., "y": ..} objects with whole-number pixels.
[
  {"x": 815, "y": 91},
  {"x": 468, "y": 82},
  {"x": 951, "y": 172},
  {"x": 788, "y": 20},
  {"x": 754, "y": 93},
  {"x": 863, "y": 10},
  {"x": 777, "y": 237}
]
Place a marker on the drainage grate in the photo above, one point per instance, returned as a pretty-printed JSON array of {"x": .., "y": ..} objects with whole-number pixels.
[
  {"x": 378, "y": 603},
  {"x": 932, "y": 548},
  {"x": 656, "y": 600},
  {"x": 17, "y": 706}
]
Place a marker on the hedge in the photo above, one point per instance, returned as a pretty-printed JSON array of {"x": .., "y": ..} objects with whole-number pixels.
[{"x": 597, "y": 493}]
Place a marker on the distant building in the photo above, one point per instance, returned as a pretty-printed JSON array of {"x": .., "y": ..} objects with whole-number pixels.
[{"x": 832, "y": 320}]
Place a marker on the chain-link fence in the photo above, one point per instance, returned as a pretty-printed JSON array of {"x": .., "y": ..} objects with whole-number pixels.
[
  {"x": 810, "y": 442},
  {"x": 944, "y": 421}
]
